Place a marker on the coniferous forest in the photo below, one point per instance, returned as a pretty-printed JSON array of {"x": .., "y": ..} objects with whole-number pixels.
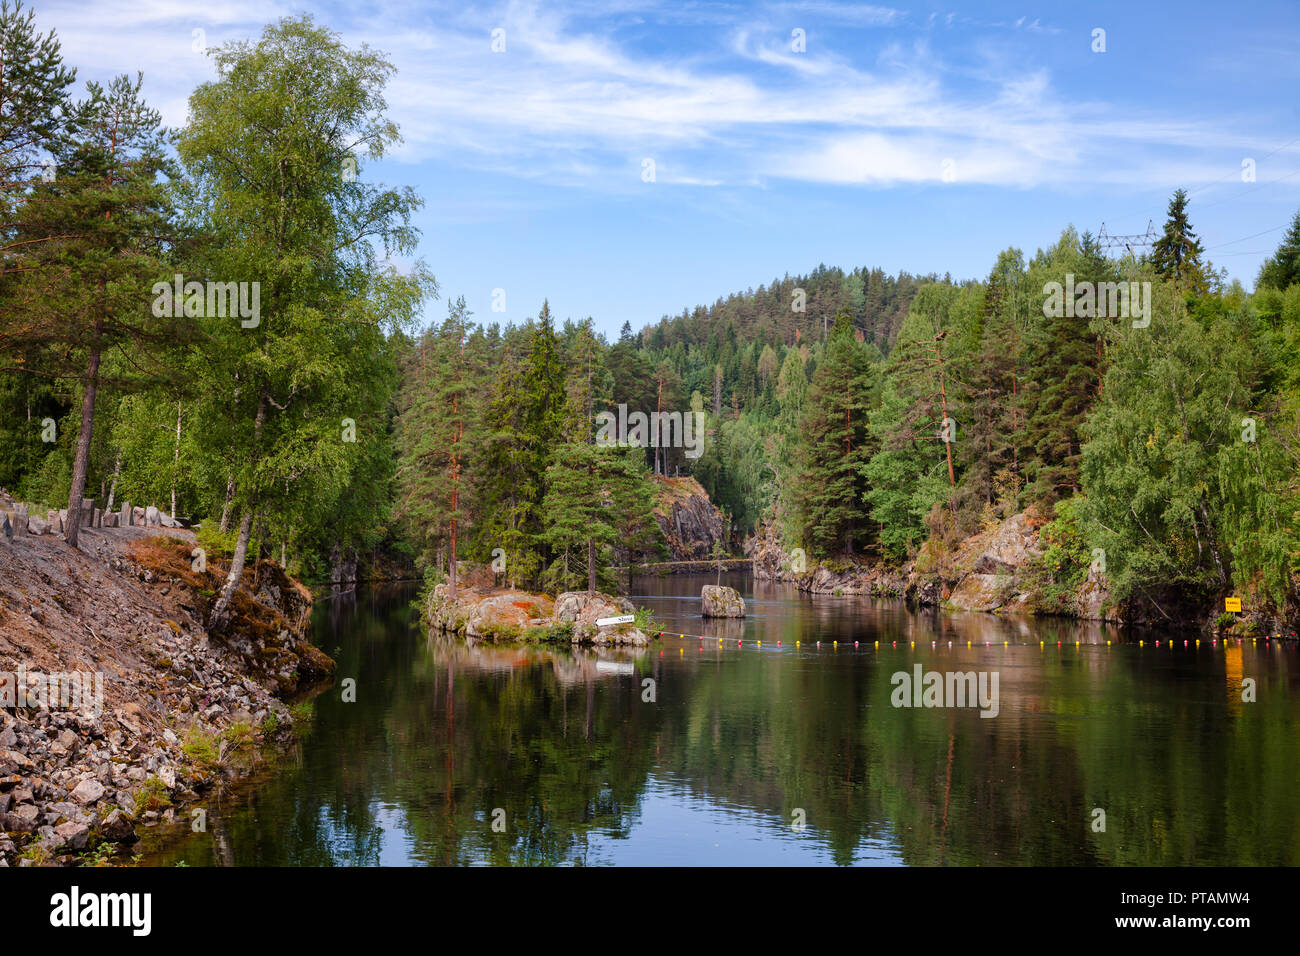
[
  {"x": 330, "y": 422},
  {"x": 704, "y": 551}
]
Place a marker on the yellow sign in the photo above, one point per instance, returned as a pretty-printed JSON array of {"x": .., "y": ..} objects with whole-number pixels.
[{"x": 1232, "y": 604}]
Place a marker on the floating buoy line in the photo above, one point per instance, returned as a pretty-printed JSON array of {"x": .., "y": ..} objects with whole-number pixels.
[{"x": 1274, "y": 641}]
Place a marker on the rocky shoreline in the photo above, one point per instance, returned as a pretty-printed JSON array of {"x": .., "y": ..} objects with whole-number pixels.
[
  {"x": 166, "y": 710},
  {"x": 993, "y": 572}
]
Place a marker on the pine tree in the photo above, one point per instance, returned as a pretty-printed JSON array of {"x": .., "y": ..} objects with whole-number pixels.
[
  {"x": 95, "y": 240},
  {"x": 436, "y": 438}
]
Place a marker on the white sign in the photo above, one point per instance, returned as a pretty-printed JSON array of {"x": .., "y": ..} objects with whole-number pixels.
[{"x": 606, "y": 621}]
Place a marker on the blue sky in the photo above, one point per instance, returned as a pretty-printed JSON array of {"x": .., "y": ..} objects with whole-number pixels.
[{"x": 924, "y": 137}]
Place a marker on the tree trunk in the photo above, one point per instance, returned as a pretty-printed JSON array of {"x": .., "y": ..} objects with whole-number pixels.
[
  {"x": 112, "y": 488},
  {"x": 591, "y": 567},
  {"x": 176, "y": 458},
  {"x": 82, "y": 460},
  {"x": 221, "y": 610},
  {"x": 230, "y": 498}
]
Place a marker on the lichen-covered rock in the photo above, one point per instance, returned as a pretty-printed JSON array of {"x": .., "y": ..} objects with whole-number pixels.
[
  {"x": 719, "y": 601},
  {"x": 982, "y": 592},
  {"x": 507, "y": 614},
  {"x": 583, "y": 611}
]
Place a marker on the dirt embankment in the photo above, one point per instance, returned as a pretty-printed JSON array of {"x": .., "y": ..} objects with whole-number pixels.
[{"x": 163, "y": 710}]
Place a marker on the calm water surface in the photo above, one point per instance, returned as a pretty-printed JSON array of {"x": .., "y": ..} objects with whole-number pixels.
[{"x": 741, "y": 745}]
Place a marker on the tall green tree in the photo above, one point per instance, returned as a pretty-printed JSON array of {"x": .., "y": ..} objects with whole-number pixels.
[
  {"x": 836, "y": 442},
  {"x": 96, "y": 239},
  {"x": 1176, "y": 255},
  {"x": 1281, "y": 270},
  {"x": 275, "y": 147},
  {"x": 592, "y": 491}
]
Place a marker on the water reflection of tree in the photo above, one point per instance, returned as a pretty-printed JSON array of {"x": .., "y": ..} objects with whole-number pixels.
[{"x": 567, "y": 748}]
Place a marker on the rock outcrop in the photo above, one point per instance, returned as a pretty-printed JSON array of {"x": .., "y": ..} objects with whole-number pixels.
[
  {"x": 583, "y": 611},
  {"x": 514, "y": 616},
  {"x": 718, "y": 601},
  {"x": 690, "y": 521}
]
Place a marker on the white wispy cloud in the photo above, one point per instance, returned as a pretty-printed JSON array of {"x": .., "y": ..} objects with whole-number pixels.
[{"x": 582, "y": 93}]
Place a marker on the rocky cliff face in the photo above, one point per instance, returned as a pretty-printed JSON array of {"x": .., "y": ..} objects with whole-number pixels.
[
  {"x": 986, "y": 572},
  {"x": 690, "y": 522}
]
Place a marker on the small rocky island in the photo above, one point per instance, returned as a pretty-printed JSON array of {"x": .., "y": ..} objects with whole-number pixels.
[
  {"x": 719, "y": 601},
  {"x": 510, "y": 615}
]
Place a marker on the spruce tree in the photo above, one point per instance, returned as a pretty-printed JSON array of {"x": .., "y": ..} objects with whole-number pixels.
[
  {"x": 1176, "y": 255},
  {"x": 835, "y": 443}
]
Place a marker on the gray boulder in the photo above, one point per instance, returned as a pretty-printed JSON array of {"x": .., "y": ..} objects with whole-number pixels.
[
  {"x": 117, "y": 827},
  {"x": 74, "y": 836},
  {"x": 721, "y": 602},
  {"x": 151, "y": 517},
  {"x": 37, "y": 525},
  {"x": 125, "y": 520},
  {"x": 88, "y": 791}
]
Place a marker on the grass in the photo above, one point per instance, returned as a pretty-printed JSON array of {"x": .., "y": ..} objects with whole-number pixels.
[
  {"x": 152, "y": 796},
  {"x": 200, "y": 747},
  {"x": 36, "y": 854},
  {"x": 239, "y": 734}
]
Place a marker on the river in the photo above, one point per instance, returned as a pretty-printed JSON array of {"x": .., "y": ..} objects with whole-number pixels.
[{"x": 700, "y": 751}]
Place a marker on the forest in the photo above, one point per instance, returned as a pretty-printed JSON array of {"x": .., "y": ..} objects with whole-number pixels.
[{"x": 209, "y": 319}]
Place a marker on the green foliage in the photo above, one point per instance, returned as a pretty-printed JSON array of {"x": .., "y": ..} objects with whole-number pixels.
[
  {"x": 595, "y": 499},
  {"x": 1067, "y": 555},
  {"x": 1282, "y": 269},
  {"x": 835, "y": 443}
]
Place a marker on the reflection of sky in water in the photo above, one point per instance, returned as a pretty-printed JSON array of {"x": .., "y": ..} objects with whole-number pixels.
[
  {"x": 677, "y": 828},
  {"x": 670, "y": 827}
]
